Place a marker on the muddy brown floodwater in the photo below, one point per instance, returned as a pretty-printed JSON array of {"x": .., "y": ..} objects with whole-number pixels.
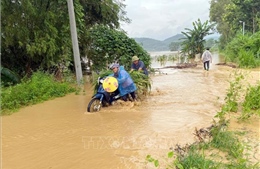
[{"x": 59, "y": 133}]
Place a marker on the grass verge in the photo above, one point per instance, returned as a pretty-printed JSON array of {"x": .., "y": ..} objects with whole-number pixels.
[{"x": 40, "y": 87}]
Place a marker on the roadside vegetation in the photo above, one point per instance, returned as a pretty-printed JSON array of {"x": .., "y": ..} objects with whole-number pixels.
[
  {"x": 40, "y": 87},
  {"x": 217, "y": 147},
  {"x": 239, "y": 27},
  {"x": 244, "y": 50}
]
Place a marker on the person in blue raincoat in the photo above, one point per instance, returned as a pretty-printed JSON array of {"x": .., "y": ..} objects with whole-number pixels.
[{"x": 126, "y": 84}]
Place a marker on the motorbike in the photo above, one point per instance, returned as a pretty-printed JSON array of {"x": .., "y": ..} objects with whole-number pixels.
[{"x": 102, "y": 98}]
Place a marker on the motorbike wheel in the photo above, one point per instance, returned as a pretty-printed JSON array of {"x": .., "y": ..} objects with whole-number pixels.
[{"x": 94, "y": 105}]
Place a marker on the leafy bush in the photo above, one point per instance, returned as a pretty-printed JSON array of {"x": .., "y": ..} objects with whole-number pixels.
[
  {"x": 246, "y": 59},
  {"x": 107, "y": 45},
  {"x": 40, "y": 87},
  {"x": 244, "y": 50}
]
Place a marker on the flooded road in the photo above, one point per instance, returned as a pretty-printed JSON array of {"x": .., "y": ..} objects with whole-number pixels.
[{"x": 60, "y": 134}]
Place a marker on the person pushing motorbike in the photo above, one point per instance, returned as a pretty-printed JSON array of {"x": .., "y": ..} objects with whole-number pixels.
[{"x": 126, "y": 84}]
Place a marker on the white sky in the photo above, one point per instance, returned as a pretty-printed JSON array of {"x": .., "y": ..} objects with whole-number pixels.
[{"x": 161, "y": 19}]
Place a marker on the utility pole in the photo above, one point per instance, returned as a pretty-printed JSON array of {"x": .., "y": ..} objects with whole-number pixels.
[
  {"x": 75, "y": 44},
  {"x": 243, "y": 29}
]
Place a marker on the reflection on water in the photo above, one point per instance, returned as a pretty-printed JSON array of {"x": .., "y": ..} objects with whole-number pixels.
[{"x": 60, "y": 133}]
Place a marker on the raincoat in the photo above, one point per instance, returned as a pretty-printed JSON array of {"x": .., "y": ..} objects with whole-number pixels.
[
  {"x": 126, "y": 84},
  {"x": 206, "y": 56}
]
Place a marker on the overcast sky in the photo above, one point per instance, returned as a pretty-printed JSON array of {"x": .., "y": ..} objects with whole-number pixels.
[{"x": 161, "y": 19}]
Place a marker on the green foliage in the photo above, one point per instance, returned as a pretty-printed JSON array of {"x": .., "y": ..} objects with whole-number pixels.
[
  {"x": 150, "y": 159},
  {"x": 162, "y": 59},
  {"x": 35, "y": 35},
  {"x": 233, "y": 95},
  {"x": 247, "y": 11},
  {"x": 172, "y": 58},
  {"x": 224, "y": 141},
  {"x": 105, "y": 12},
  {"x": 107, "y": 45},
  {"x": 142, "y": 82},
  {"x": 234, "y": 100},
  {"x": 194, "y": 41},
  {"x": 244, "y": 50},
  {"x": 170, "y": 156},
  {"x": 246, "y": 59},
  {"x": 227, "y": 142},
  {"x": 217, "y": 13},
  {"x": 228, "y": 15},
  {"x": 8, "y": 77},
  {"x": 40, "y": 87},
  {"x": 195, "y": 160},
  {"x": 251, "y": 104}
]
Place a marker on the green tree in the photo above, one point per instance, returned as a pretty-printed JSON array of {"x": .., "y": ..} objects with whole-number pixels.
[
  {"x": 194, "y": 38},
  {"x": 36, "y": 33},
  {"x": 96, "y": 12},
  {"x": 218, "y": 10},
  {"x": 228, "y": 15},
  {"x": 247, "y": 11},
  {"x": 108, "y": 45}
]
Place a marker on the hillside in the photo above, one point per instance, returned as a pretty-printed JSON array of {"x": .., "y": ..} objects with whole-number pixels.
[
  {"x": 156, "y": 45},
  {"x": 152, "y": 45}
]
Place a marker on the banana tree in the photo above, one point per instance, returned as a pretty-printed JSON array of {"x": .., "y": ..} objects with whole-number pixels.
[{"x": 194, "y": 38}]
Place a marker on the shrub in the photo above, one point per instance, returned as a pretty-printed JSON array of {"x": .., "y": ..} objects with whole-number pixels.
[
  {"x": 244, "y": 50},
  {"x": 246, "y": 59}
]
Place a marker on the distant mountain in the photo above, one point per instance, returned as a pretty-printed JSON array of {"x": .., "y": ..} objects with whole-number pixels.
[
  {"x": 175, "y": 38},
  {"x": 152, "y": 45},
  {"x": 156, "y": 45}
]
